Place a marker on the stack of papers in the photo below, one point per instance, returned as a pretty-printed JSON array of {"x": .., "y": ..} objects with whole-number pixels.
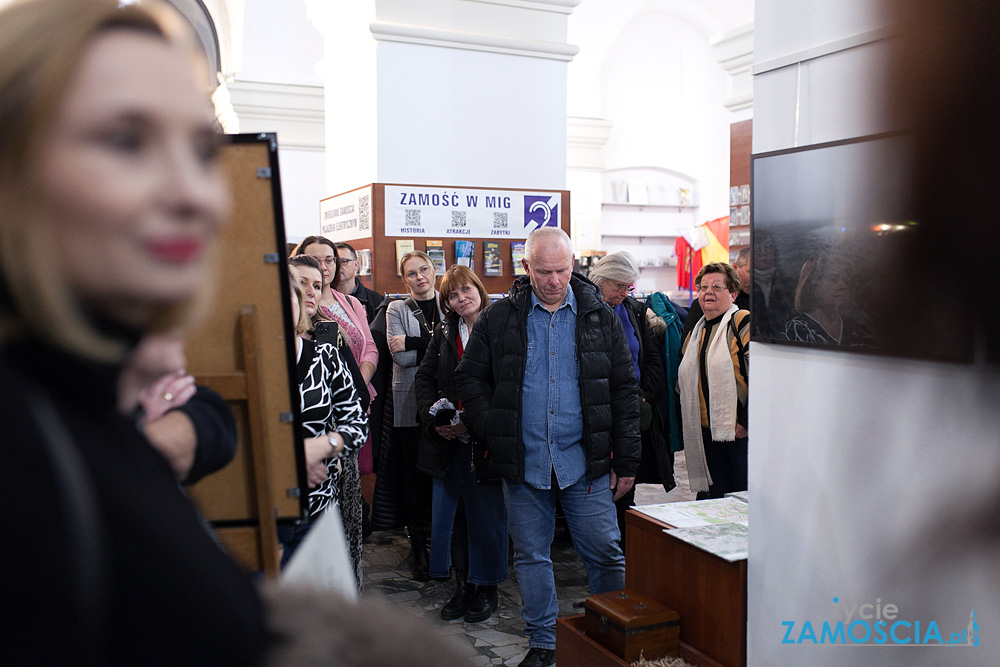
[{"x": 718, "y": 526}]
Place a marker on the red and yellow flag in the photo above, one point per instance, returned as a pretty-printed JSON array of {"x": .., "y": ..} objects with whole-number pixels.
[{"x": 717, "y": 250}]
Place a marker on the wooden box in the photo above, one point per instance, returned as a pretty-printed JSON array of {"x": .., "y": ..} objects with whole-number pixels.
[
  {"x": 630, "y": 624},
  {"x": 576, "y": 649}
]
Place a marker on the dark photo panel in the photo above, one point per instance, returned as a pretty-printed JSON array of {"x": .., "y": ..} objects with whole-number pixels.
[{"x": 831, "y": 263}]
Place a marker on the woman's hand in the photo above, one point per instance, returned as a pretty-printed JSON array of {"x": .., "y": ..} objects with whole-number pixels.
[
  {"x": 741, "y": 431},
  {"x": 318, "y": 450},
  {"x": 397, "y": 343},
  {"x": 170, "y": 391},
  {"x": 450, "y": 432}
]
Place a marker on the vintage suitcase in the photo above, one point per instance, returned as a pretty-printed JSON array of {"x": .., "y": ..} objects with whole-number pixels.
[{"x": 629, "y": 624}]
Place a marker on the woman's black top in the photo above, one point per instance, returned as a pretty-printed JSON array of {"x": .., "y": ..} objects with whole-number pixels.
[{"x": 131, "y": 578}]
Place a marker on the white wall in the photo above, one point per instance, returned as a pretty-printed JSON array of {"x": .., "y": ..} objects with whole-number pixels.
[
  {"x": 870, "y": 478},
  {"x": 279, "y": 89},
  {"x": 648, "y": 68},
  {"x": 470, "y": 118}
]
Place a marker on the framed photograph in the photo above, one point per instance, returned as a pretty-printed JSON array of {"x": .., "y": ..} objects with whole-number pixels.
[
  {"x": 744, "y": 194},
  {"x": 744, "y": 215},
  {"x": 828, "y": 261},
  {"x": 734, "y": 216},
  {"x": 734, "y": 196}
]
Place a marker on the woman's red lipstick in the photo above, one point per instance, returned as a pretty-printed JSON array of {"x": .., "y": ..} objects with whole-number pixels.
[{"x": 176, "y": 251}]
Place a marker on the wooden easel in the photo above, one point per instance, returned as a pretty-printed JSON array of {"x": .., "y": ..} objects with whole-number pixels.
[{"x": 242, "y": 352}]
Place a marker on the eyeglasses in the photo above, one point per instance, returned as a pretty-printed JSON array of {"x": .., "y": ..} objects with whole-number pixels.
[
  {"x": 622, "y": 287},
  {"x": 423, "y": 270},
  {"x": 326, "y": 261},
  {"x": 712, "y": 288},
  {"x": 345, "y": 260}
]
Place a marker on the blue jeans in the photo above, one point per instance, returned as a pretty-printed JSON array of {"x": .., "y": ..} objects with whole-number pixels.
[
  {"x": 531, "y": 516},
  {"x": 485, "y": 517}
]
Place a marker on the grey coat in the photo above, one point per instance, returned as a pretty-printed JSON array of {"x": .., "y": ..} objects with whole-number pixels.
[{"x": 400, "y": 320}]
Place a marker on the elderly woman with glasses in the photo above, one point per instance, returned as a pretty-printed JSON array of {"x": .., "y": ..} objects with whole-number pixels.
[
  {"x": 712, "y": 382},
  {"x": 615, "y": 275}
]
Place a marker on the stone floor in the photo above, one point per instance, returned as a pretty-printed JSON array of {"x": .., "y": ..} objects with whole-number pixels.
[{"x": 499, "y": 640}]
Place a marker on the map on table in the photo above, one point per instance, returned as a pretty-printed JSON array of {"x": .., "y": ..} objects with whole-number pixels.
[
  {"x": 726, "y": 540},
  {"x": 739, "y": 495},
  {"x": 699, "y": 512}
]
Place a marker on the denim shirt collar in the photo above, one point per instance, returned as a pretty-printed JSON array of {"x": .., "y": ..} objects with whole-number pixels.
[{"x": 570, "y": 300}]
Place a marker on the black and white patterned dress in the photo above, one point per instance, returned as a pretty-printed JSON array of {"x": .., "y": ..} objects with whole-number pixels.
[{"x": 330, "y": 403}]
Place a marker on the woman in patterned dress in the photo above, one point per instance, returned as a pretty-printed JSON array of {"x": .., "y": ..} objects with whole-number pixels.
[
  {"x": 335, "y": 425},
  {"x": 352, "y": 317}
]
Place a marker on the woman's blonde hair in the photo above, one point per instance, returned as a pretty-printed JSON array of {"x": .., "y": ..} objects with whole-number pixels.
[{"x": 41, "y": 45}]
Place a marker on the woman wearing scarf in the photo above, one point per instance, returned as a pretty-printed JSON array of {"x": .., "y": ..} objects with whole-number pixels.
[{"x": 712, "y": 382}]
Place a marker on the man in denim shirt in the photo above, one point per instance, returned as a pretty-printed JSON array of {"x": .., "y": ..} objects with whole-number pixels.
[{"x": 548, "y": 381}]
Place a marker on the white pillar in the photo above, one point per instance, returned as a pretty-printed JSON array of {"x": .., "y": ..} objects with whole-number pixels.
[{"x": 453, "y": 92}]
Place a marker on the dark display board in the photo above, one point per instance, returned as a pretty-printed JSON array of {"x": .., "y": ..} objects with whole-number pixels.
[{"x": 831, "y": 228}]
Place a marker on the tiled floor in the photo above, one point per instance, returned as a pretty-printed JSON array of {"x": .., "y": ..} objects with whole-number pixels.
[{"x": 499, "y": 640}]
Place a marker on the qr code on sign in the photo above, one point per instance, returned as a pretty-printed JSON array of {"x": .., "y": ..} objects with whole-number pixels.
[
  {"x": 499, "y": 220},
  {"x": 364, "y": 213},
  {"x": 458, "y": 219},
  {"x": 412, "y": 217}
]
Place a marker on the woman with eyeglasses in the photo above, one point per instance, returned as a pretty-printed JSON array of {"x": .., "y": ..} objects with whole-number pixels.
[
  {"x": 615, "y": 275},
  {"x": 409, "y": 325},
  {"x": 712, "y": 382}
]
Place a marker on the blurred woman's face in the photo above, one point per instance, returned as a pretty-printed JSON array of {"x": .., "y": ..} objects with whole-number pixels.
[
  {"x": 131, "y": 182},
  {"x": 465, "y": 301},
  {"x": 311, "y": 282}
]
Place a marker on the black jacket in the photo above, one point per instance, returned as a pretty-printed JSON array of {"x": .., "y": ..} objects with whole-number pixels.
[
  {"x": 491, "y": 377},
  {"x": 436, "y": 379},
  {"x": 103, "y": 549},
  {"x": 369, "y": 298},
  {"x": 657, "y": 465}
]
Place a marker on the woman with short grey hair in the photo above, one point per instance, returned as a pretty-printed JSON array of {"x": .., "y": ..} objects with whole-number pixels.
[
  {"x": 618, "y": 267},
  {"x": 615, "y": 275}
]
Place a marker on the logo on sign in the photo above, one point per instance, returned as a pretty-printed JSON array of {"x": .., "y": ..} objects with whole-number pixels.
[{"x": 541, "y": 211}]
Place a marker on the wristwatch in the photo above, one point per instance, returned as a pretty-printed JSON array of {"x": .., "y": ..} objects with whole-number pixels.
[{"x": 335, "y": 444}]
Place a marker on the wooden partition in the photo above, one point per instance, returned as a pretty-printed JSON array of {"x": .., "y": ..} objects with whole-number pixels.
[{"x": 242, "y": 351}]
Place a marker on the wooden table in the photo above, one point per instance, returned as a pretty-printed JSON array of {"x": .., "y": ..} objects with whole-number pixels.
[{"x": 708, "y": 592}]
